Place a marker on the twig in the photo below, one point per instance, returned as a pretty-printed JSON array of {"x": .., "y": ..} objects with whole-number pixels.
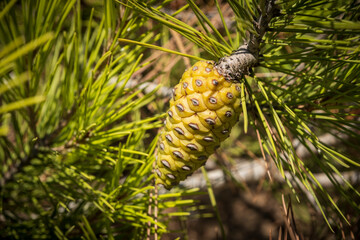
[
  {"x": 156, "y": 212},
  {"x": 148, "y": 231},
  {"x": 287, "y": 212},
  {"x": 181, "y": 46},
  {"x": 235, "y": 66}
]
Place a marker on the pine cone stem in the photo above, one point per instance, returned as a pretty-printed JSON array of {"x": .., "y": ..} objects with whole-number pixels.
[{"x": 235, "y": 66}]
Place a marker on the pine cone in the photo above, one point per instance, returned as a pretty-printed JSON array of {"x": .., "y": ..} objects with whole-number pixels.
[{"x": 203, "y": 109}]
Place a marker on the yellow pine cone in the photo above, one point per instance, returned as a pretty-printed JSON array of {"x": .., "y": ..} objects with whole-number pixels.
[{"x": 204, "y": 108}]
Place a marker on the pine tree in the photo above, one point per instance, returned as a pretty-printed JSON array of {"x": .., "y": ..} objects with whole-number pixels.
[{"x": 80, "y": 114}]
